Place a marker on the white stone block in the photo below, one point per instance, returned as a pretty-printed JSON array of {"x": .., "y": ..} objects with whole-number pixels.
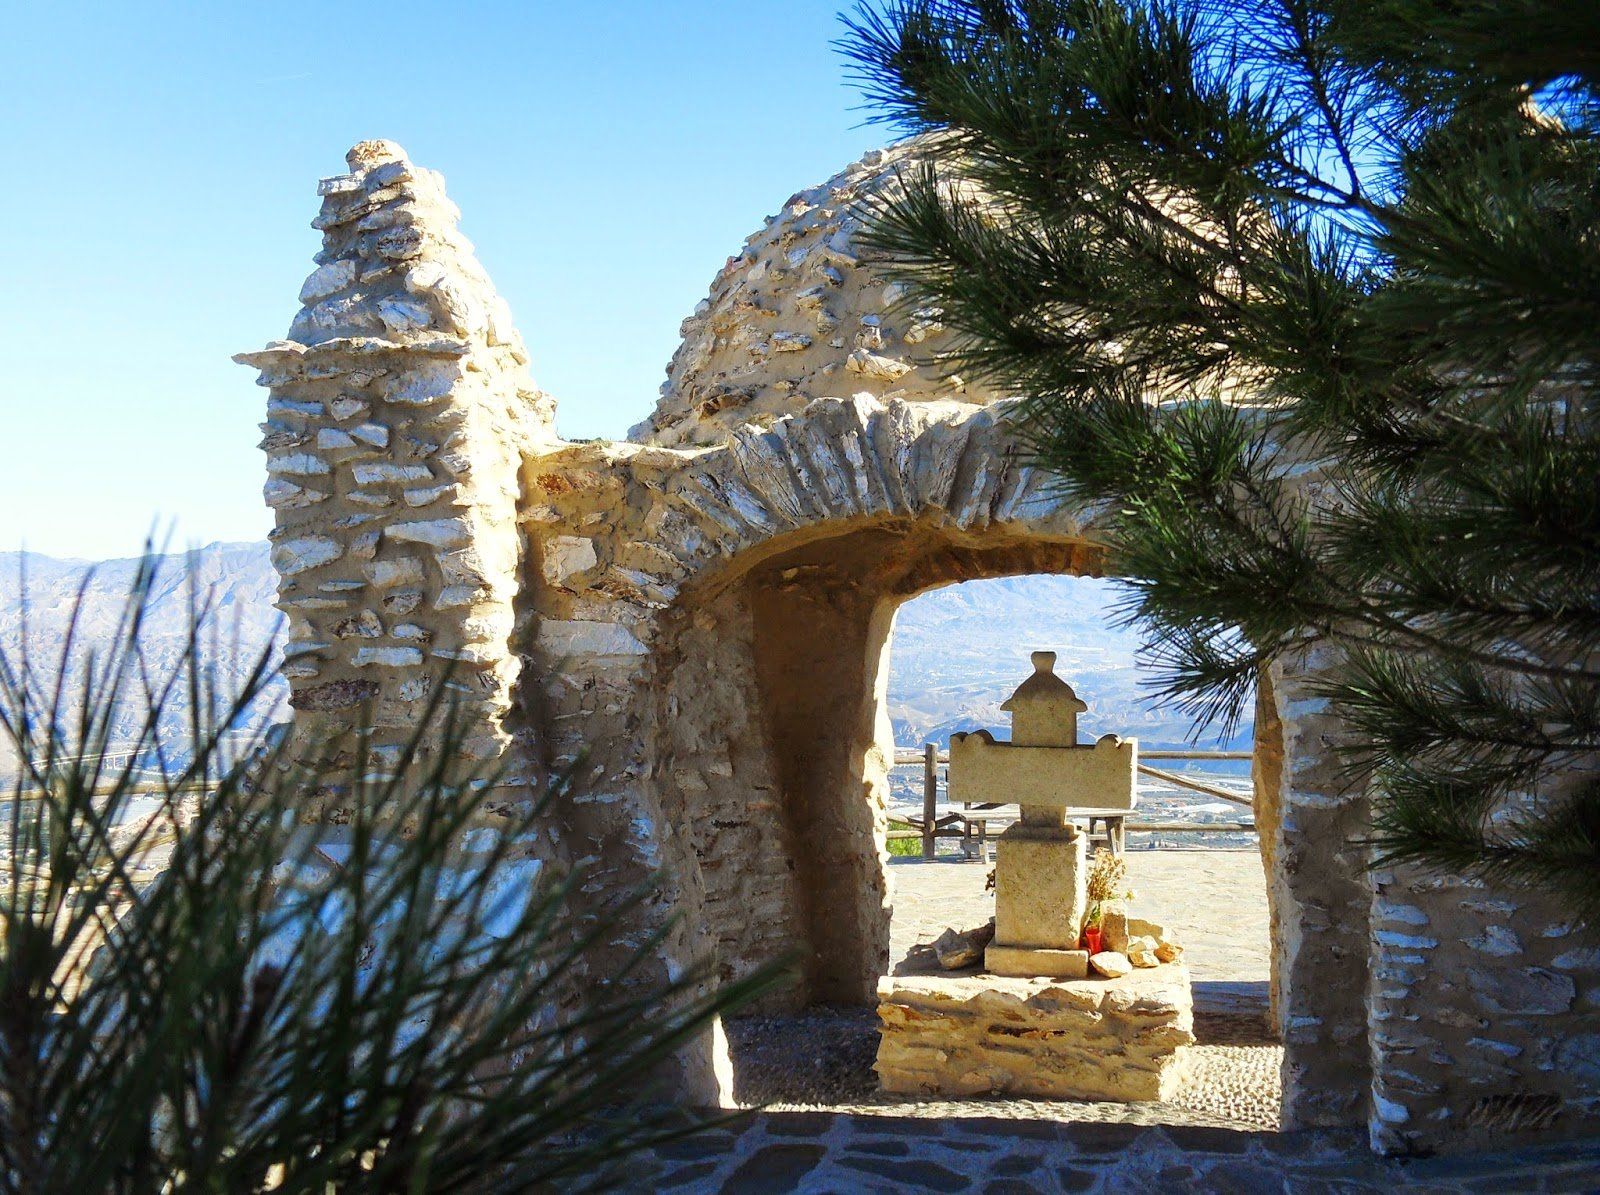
[
  {"x": 427, "y": 495},
  {"x": 325, "y": 280},
  {"x": 872, "y": 365},
  {"x": 419, "y": 387},
  {"x": 404, "y": 315},
  {"x": 438, "y": 533},
  {"x": 387, "y": 657},
  {"x": 565, "y": 556},
  {"x": 453, "y": 596},
  {"x": 294, "y": 556},
  {"x": 299, "y": 464},
  {"x": 401, "y": 570},
  {"x": 582, "y": 638},
  {"x": 285, "y": 495},
  {"x": 383, "y": 472},
  {"x": 372, "y": 433},
  {"x": 339, "y": 184}
]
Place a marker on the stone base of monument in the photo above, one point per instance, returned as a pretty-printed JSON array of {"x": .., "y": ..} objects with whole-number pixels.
[
  {"x": 1027, "y": 962},
  {"x": 1085, "y": 1039}
]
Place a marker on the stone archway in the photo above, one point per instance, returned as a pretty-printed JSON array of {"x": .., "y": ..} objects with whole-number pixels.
[
  {"x": 720, "y": 631},
  {"x": 814, "y": 614},
  {"x": 684, "y": 618},
  {"x": 748, "y": 662}
]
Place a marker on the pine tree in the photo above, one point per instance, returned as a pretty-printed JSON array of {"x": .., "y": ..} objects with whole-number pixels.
[
  {"x": 199, "y": 993},
  {"x": 1306, "y": 295}
]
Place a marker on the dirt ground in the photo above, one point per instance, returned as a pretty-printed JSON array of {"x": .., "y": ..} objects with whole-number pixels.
[{"x": 1214, "y": 902}]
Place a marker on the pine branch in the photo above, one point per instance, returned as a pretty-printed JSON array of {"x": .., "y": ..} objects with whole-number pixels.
[
  {"x": 257, "y": 1011},
  {"x": 1303, "y": 304}
]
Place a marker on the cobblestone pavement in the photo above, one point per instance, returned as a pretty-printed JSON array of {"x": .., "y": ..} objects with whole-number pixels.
[
  {"x": 827, "y": 1128},
  {"x": 779, "y": 1152}
]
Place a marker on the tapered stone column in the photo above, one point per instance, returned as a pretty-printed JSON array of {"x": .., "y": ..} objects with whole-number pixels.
[{"x": 400, "y": 409}]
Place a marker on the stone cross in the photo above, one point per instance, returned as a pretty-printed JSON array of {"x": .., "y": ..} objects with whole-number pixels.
[{"x": 1040, "y": 869}]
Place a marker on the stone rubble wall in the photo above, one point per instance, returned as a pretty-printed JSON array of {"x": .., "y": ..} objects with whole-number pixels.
[
  {"x": 400, "y": 408},
  {"x": 799, "y": 312},
  {"x": 1485, "y": 1015},
  {"x": 717, "y": 779}
]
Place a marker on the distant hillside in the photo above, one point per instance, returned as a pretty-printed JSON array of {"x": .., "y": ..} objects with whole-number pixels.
[
  {"x": 238, "y": 576},
  {"x": 958, "y": 652},
  {"x": 956, "y": 655}
]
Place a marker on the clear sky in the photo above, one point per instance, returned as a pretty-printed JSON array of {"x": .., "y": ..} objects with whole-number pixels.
[{"x": 160, "y": 165}]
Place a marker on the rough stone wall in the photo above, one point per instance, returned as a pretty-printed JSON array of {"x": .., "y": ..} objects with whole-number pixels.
[
  {"x": 1320, "y": 901},
  {"x": 800, "y": 312},
  {"x": 400, "y": 410},
  {"x": 1485, "y": 1015},
  {"x": 718, "y": 781}
]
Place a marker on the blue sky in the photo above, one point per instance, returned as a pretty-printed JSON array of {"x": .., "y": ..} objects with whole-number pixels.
[{"x": 161, "y": 165}]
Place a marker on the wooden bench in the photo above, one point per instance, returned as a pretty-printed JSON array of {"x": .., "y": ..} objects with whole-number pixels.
[{"x": 1112, "y": 831}]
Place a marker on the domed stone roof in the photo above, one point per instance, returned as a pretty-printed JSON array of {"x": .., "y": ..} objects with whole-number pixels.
[{"x": 803, "y": 312}]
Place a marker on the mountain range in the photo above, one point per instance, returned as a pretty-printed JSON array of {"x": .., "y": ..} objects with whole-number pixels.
[
  {"x": 46, "y": 600},
  {"x": 956, "y": 653}
]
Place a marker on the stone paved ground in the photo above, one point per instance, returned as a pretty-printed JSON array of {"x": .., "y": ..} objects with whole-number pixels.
[
  {"x": 828, "y": 1129},
  {"x": 773, "y": 1153}
]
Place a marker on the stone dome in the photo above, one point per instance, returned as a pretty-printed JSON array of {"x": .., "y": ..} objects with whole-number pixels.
[{"x": 801, "y": 313}]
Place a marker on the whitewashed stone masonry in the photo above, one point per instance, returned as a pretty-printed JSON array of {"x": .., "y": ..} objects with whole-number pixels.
[
  {"x": 400, "y": 411},
  {"x": 698, "y": 620}
]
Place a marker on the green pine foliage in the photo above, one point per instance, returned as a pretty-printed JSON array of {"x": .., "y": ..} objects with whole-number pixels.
[
  {"x": 1304, "y": 296},
  {"x": 174, "y": 1018}
]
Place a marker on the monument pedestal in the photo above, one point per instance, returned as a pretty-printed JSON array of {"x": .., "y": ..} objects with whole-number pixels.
[
  {"x": 1038, "y": 900},
  {"x": 1091, "y": 1039},
  {"x": 1026, "y": 961}
]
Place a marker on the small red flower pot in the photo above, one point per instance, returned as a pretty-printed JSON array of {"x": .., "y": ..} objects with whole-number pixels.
[{"x": 1091, "y": 939}]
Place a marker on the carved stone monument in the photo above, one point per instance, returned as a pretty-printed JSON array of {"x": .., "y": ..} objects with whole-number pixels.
[{"x": 1039, "y": 861}]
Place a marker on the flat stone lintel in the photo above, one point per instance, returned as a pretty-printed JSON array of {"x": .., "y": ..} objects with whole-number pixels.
[
  {"x": 282, "y": 351},
  {"x": 1025, "y": 962}
]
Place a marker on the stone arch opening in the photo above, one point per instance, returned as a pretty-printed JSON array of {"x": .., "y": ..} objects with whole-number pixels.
[
  {"x": 776, "y": 669},
  {"x": 956, "y": 652}
]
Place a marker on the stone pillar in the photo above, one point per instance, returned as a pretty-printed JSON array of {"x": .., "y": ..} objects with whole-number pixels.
[
  {"x": 1266, "y": 776},
  {"x": 400, "y": 409},
  {"x": 1321, "y": 902},
  {"x": 399, "y": 418},
  {"x": 1039, "y": 901}
]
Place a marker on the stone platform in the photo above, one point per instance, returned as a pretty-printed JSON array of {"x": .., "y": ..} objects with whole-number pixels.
[
  {"x": 1093, "y": 1039},
  {"x": 818, "y": 1153}
]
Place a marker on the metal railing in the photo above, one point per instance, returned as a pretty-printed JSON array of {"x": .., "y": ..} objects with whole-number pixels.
[{"x": 932, "y": 826}]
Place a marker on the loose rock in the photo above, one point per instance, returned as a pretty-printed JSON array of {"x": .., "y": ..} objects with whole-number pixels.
[{"x": 1113, "y": 964}]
